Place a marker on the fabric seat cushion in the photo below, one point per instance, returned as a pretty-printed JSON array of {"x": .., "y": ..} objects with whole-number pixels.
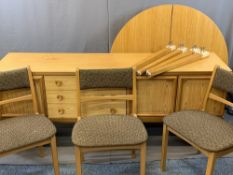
[
  {"x": 109, "y": 130},
  {"x": 209, "y": 132},
  {"x": 21, "y": 131}
]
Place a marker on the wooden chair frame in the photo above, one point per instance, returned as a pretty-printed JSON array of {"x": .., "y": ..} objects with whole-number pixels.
[
  {"x": 51, "y": 141},
  {"x": 80, "y": 151},
  {"x": 212, "y": 156}
]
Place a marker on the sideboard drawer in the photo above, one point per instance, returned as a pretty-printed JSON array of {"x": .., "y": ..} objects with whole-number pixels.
[
  {"x": 60, "y": 82},
  {"x": 62, "y": 111},
  {"x": 61, "y": 97},
  {"x": 103, "y": 108}
]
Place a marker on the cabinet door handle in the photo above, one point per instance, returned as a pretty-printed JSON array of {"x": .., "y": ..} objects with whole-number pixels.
[
  {"x": 113, "y": 111},
  {"x": 58, "y": 83},
  {"x": 60, "y": 97},
  {"x": 61, "y": 111}
]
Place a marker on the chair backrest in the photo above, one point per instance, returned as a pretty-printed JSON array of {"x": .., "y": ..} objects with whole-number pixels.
[
  {"x": 17, "y": 79},
  {"x": 222, "y": 80},
  {"x": 106, "y": 79}
]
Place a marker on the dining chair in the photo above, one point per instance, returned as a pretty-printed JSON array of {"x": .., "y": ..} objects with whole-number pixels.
[
  {"x": 108, "y": 132},
  {"x": 27, "y": 131},
  {"x": 209, "y": 134}
]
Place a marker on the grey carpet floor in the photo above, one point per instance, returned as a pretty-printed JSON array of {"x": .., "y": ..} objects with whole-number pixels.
[
  {"x": 189, "y": 166},
  {"x": 66, "y": 155}
]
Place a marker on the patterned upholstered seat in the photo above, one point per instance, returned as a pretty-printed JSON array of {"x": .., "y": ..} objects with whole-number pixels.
[
  {"x": 109, "y": 130},
  {"x": 21, "y": 131},
  {"x": 205, "y": 130}
]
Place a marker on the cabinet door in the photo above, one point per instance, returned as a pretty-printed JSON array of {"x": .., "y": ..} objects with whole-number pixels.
[
  {"x": 156, "y": 97},
  {"x": 191, "y": 93}
]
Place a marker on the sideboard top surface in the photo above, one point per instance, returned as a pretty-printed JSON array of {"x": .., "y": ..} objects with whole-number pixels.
[{"x": 47, "y": 63}]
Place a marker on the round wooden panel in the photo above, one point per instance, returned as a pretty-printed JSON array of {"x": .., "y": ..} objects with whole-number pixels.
[
  {"x": 153, "y": 28},
  {"x": 146, "y": 32}
]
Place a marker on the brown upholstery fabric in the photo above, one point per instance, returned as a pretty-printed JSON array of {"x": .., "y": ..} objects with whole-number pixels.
[
  {"x": 207, "y": 131},
  {"x": 14, "y": 79},
  {"x": 223, "y": 80},
  {"x": 109, "y": 130},
  {"x": 21, "y": 131},
  {"x": 105, "y": 78}
]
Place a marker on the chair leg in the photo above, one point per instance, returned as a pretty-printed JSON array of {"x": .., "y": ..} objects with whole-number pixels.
[
  {"x": 41, "y": 151},
  {"x": 210, "y": 164},
  {"x": 78, "y": 156},
  {"x": 143, "y": 159},
  {"x": 54, "y": 156},
  {"x": 164, "y": 148},
  {"x": 82, "y": 157},
  {"x": 133, "y": 154}
]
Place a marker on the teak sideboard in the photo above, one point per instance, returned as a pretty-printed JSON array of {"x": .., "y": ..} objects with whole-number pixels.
[{"x": 54, "y": 77}]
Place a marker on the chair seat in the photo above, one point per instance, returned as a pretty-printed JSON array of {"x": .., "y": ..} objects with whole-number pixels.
[
  {"x": 209, "y": 132},
  {"x": 21, "y": 131},
  {"x": 109, "y": 130}
]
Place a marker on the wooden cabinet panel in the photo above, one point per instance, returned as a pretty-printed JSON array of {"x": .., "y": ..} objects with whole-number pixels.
[
  {"x": 191, "y": 93},
  {"x": 60, "y": 82},
  {"x": 156, "y": 97}
]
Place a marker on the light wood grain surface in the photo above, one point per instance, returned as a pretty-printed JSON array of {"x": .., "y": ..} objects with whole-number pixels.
[
  {"x": 163, "y": 89},
  {"x": 68, "y": 62},
  {"x": 192, "y": 27},
  {"x": 153, "y": 28},
  {"x": 65, "y": 63},
  {"x": 146, "y": 32}
]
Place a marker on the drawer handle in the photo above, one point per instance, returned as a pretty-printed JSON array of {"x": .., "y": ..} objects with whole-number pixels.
[
  {"x": 113, "y": 111},
  {"x": 60, "y": 97},
  {"x": 58, "y": 83},
  {"x": 61, "y": 111}
]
